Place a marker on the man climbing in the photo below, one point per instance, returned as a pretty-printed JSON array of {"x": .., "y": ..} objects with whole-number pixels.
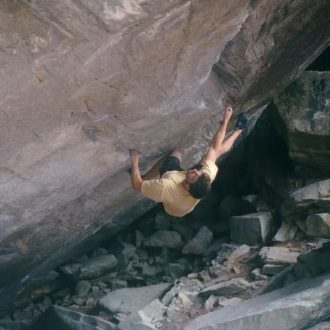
[{"x": 179, "y": 190}]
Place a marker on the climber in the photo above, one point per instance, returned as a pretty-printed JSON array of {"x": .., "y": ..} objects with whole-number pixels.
[{"x": 180, "y": 190}]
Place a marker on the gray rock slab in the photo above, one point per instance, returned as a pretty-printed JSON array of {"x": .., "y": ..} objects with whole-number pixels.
[
  {"x": 97, "y": 266},
  {"x": 231, "y": 287},
  {"x": 278, "y": 255},
  {"x": 314, "y": 196},
  {"x": 318, "y": 225},
  {"x": 199, "y": 244},
  {"x": 130, "y": 300},
  {"x": 164, "y": 238},
  {"x": 272, "y": 269},
  {"x": 251, "y": 229},
  {"x": 297, "y": 306}
]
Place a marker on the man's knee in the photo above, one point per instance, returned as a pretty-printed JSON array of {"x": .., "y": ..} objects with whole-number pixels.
[{"x": 176, "y": 153}]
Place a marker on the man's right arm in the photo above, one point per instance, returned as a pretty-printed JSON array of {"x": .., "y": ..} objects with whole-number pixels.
[
  {"x": 215, "y": 148},
  {"x": 152, "y": 189}
]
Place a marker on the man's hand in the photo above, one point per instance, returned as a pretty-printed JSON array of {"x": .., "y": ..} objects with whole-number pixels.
[{"x": 135, "y": 156}]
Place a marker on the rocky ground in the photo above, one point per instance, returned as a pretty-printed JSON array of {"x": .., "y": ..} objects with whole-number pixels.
[{"x": 163, "y": 272}]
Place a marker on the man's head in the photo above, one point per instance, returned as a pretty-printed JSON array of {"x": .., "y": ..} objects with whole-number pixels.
[{"x": 199, "y": 183}]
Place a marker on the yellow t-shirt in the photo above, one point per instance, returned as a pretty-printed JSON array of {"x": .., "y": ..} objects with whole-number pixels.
[{"x": 169, "y": 190}]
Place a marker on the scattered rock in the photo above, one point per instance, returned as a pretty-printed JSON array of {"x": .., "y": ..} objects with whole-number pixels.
[
  {"x": 231, "y": 287},
  {"x": 224, "y": 253},
  {"x": 70, "y": 270},
  {"x": 175, "y": 270},
  {"x": 272, "y": 269},
  {"x": 199, "y": 244},
  {"x": 120, "y": 301},
  {"x": 82, "y": 288},
  {"x": 164, "y": 238},
  {"x": 211, "y": 303},
  {"x": 278, "y": 255},
  {"x": 179, "y": 309},
  {"x": 318, "y": 225},
  {"x": 238, "y": 256},
  {"x": 224, "y": 302},
  {"x": 256, "y": 275},
  {"x": 148, "y": 270},
  {"x": 97, "y": 266},
  {"x": 150, "y": 317},
  {"x": 315, "y": 196},
  {"x": 285, "y": 233}
]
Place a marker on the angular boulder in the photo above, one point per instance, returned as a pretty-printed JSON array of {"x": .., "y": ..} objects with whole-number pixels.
[{"x": 251, "y": 229}]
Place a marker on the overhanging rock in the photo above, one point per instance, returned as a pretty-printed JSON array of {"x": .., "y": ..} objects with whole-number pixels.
[{"x": 81, "y": 82}]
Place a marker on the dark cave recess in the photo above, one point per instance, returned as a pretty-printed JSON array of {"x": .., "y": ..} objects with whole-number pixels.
[{"x": 322, "y": 63}]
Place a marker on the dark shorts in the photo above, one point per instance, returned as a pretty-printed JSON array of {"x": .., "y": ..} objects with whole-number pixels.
[{"x": 173, "y": 164}]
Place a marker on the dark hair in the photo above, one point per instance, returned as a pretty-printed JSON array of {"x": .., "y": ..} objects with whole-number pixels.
[{"x": 201, "y": 187}]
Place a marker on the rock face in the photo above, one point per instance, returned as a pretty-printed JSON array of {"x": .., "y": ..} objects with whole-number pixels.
[
  {"x": 82, "y": 81},
  {"x": 305, "y": 110}
]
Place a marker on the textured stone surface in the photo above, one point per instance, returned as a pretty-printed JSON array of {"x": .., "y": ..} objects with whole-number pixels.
[{"x": 82, "y": 81}]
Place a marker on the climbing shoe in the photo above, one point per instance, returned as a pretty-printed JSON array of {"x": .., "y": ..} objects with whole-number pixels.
[{"x": 242, "y": 121}]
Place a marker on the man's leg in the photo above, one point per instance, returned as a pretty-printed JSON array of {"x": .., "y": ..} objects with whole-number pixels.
[
  {"x": 221, "y": 132},
  {"x": 223, "y": 127},
  {"x": 229, "y": 141},
  {"x": 153, "y": 173}
]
